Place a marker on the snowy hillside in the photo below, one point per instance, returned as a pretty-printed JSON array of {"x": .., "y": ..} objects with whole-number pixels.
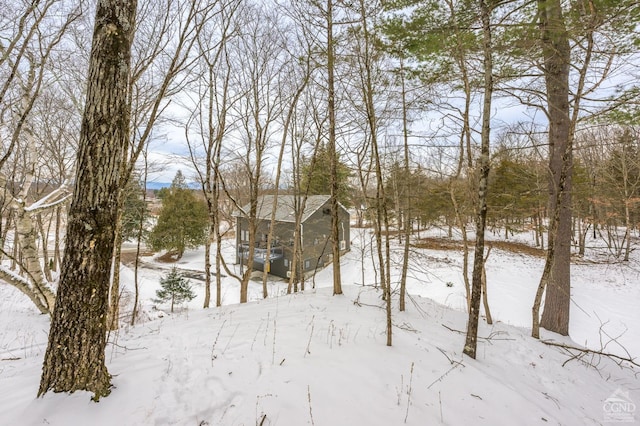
[{"x": 316, "y": 359}]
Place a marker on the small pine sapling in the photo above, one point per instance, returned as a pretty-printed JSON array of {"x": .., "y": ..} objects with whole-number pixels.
[{"x": 175, "y": 288}]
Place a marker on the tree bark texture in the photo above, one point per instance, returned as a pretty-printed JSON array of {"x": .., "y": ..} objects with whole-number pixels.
[
  {"x": 75, "y": 358},
  {"x": 557, "y": 58}
]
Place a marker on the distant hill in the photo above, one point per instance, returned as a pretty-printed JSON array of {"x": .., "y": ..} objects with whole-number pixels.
[{"x": 160, "y": 185}]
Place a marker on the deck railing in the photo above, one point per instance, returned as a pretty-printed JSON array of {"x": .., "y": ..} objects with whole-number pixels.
[{"x": 260, "y": 254}]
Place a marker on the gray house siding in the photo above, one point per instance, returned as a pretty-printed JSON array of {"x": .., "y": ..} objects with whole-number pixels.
[
  {"x": 282, "y": 245},
  {"x": 315, "y": 236}
]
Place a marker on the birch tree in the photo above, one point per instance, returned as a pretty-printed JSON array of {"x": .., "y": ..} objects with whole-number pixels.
[{"x": 28, "y": 51}]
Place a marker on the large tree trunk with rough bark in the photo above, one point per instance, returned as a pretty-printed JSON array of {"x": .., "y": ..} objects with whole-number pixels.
[
  {"x": 75, "y": 358},
  {"x": 557, "y": 58}
]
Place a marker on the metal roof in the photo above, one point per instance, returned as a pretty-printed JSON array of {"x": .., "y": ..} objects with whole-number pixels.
[{"x": 285, "y": 208}]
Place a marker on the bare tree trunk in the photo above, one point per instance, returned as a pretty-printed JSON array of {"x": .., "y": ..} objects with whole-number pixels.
[
  {"x": 368, "y": 65},
  {"x": 481, "y": 217},
  {"x": 212, "y": 189},
  {"x": 44, "y": 237},
  {"x": 544, "y": 280},
  {"x": 557, "y": 58},
  {"x": 259, "y": 108},
  {"x": 331, "y": 147},
  {"x": 628, "y": 195},
  {"x": 136, "y": 280},
  {"x": 136, "y": 283},
  {"x": 582, "y": 237},
  {"x": 16, "y": 252},
  {"x": 57, "y": 253},
  {"x": 460, "y": 56},
  {"x": 285, "y": 132},
  {"x": 246, "y": 275},
  {"x": 627, "y": 232},
  {"x": 465, "y": 243},
  {"x": 408, "y": 222},
  {"x": 218, "y": 262},
  {"x": 292, "y": 285},
  {"x": 217, "y": 65},
  {"x": 75, "y": 358},
  {"x": 207, "y": 265},
  {"x": 114, "y": 292},
  {"x": 541, "y": 230},
  {"x": 485, "y": 296},
  {"x": 297, "y": 278}
]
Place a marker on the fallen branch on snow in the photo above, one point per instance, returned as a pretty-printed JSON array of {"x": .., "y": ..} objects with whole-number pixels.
[
  {"x": 489, "y": 338},
  {"x": 619, "y": 360}
]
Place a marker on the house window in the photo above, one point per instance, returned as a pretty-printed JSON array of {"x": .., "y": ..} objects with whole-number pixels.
[
  {"x": 286, "y": 263},
  {"x": 307, "y": 264},
  {"x": 244, "y": 235}
]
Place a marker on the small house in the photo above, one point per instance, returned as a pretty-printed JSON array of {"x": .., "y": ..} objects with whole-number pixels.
[{"x": 315, "y": 232}]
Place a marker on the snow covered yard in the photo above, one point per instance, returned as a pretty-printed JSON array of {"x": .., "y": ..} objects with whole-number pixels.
[{"x": 317, "y": 359}]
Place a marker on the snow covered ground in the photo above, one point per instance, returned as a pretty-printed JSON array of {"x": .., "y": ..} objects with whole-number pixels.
[{"x": 316, "y": 359}]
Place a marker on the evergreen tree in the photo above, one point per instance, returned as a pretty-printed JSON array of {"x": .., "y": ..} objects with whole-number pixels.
[
  {"x": 175, "y": 288},
  {"x": 316, "y": 175},
  {"x": 513, "y": 193},
  {"x": 134, "y": 209},
  {"x": 182, "y": 222}
]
